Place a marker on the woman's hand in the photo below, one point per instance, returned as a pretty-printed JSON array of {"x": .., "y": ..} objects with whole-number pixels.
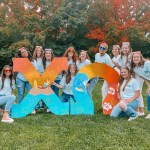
[{"x": 148, "y": 90}]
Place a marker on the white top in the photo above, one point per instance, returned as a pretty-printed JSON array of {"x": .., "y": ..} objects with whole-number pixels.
[
  {"x": 70, "y": 62},
  {"x": 105, "y": 59},
  {"x": 67, "y": 87},
  {"x": 7, "y": 90},
  {"x": 130, "y": 88},
  {"x": 47, "y": 63},
  {"x": 124, "y": 61},
  {"x": 143, "y": 71},
  {"x": 82, "y": 64},
  {"x": 116, "y": 59},
  {"x": 39, "y": 64}
]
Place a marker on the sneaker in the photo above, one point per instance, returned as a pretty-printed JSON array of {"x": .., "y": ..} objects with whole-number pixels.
[
  {"x": 7, "y": 119},
  {"x": 33, "y": 112},
  {"x": 141, "y": 113},
  {"x": 48, "y": 111},
  {"x": 132, "y": 118},
  {"x": 148, "y": 116}
]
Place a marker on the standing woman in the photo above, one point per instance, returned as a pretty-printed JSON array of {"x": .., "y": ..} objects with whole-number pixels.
[
  {"x": 38, "y": 58},
  {"x": 125, "y": 56},
  {"x": 83, "y": 59},
  {"x": 71, "y": 55},
  {"x": 7, "y": 98},
  {"x": 66, "y": 83},
  {"x": 128, "y": 94},
  {"x": 141, "y": 67},
  {"x": 116, "y": 57},
  {"x": 21, "y": 81}
]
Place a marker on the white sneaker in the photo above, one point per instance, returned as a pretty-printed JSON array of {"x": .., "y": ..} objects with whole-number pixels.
[
  {"x": 148, "y": 116},
  {"x": 141, "y": 114},
  {"x": 48, "y": 111},
  {"x": 132, "y": 118},
  {"x": 7, "y": 120},
  {"x": 33, "y": 112}
]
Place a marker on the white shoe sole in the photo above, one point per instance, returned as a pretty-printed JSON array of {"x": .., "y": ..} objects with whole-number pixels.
[{"x": 7, "y": 121}]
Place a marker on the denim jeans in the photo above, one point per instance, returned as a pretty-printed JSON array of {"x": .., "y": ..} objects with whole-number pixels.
[
  {"x": 93, "y": 82},
  {"x": 66, "y": 97},
  {"x": 8, "y": 101},
  {"x": 148, "y": 102},
  {"x": 21, "y": 85},
  {"x": 54, "y": 88},
  {"x": 130, "y": 110}
]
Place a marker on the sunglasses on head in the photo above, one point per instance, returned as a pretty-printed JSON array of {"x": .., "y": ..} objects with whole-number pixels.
[
  {"x": 102, "y": 48},
  {"x": 7, "y": 70},
  {"x": 48, "y": 49}
]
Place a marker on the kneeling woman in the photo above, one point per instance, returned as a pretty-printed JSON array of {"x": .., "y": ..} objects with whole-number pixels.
[
  {"x": 7, "y": 98},
  {"x": 129, "y": 92},
  {"x": 66, "y": 83}
]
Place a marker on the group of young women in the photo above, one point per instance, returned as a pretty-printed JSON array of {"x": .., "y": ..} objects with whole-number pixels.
[{"x": 131, "y": 66}]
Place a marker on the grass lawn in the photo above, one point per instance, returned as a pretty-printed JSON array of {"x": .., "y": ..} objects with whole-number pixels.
[{"x": 47, "y": 131}]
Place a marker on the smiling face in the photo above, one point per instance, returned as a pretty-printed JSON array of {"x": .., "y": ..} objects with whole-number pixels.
[
  {"x": 125, "y": 49},
  {"x": 24, "y": 53},
  {"x": 38, "y": 52},
  {"x": 136, "y": 58},
  {"x": 124, "y": 73},
  {"x": 102, "y": 49},
  {"x": 48, "y": 55},
  {"x": 7, "y": 71},
  {"x": 73, "y": 69},
  {"x": 83, "y": 56},
  {"x": 115, "y": 51}
]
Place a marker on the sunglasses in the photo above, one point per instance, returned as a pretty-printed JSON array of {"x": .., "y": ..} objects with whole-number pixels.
[
  {"x": 102, "y": 48},
  {"x": 7, "y": 70}
]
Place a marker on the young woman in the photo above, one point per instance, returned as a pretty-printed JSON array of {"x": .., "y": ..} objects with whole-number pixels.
[
  {"x": 7, "y": 98},
  {"x": 83, "y": 59},
  {"x": 38, "y": 58},
  {"x": 125, "y": 56},
  {"x": 21, "y": 81},
  {"x": 71, "y": 55},
  {"x": 141, "y": 67},
  {"x": 128, "y": 94},
  {"x": 116, "y": 57},
  {"x": 66, "y": 83}
]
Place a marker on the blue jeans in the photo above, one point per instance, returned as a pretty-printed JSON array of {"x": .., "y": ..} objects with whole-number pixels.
[
  {"x": 66, "y": 97},
  {"x": 8, "y": 101},
  {"x": 21, "y": 85},
  {"x": 93, "y": 82},
  {"x": 148, "y": 102},
  {"x": 130, "y": 110},
  {"x": 54, "y": 88}
]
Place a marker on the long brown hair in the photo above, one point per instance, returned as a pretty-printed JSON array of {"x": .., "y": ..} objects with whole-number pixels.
[
  {"x": 3, "y": 76},
  {"x": 68, "y": 74},
  {"x": 122, "y": 79},
  {"x": 44, "y": 58},
  {"x": 74, "y": 57},
  {"x": 35, "y": 52}
]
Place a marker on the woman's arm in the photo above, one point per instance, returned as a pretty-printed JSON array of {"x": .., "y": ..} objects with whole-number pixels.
[
  {"x": 136, "y": 95},
  {"x": 58, "y": 85}
]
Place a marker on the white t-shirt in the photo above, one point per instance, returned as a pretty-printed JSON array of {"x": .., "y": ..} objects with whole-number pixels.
[
  {"x": 70, "y": 62},
  {"x": 130, "y": 88},
  {"x": 105, "y": 59},
  {"x": 116, "y": 59},
  {"x": 82, "y": 64},
  {"x": 67, "y": 87},
  {"x": 7, "y": 90},
  {"x": 39, "y": 64},
  {"x": 124, "y": 61},
  {"x": 143, "y": 71}
]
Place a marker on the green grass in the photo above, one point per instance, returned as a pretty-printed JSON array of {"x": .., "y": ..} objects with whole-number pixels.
[{"x": 47, "y": 131}]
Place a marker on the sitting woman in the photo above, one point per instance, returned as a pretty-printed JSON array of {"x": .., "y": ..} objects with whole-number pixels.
[
  {"x": 129, "y": 92},
  {"x": 7, "y": 98},
  {"x": 66, "y": 83}
]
